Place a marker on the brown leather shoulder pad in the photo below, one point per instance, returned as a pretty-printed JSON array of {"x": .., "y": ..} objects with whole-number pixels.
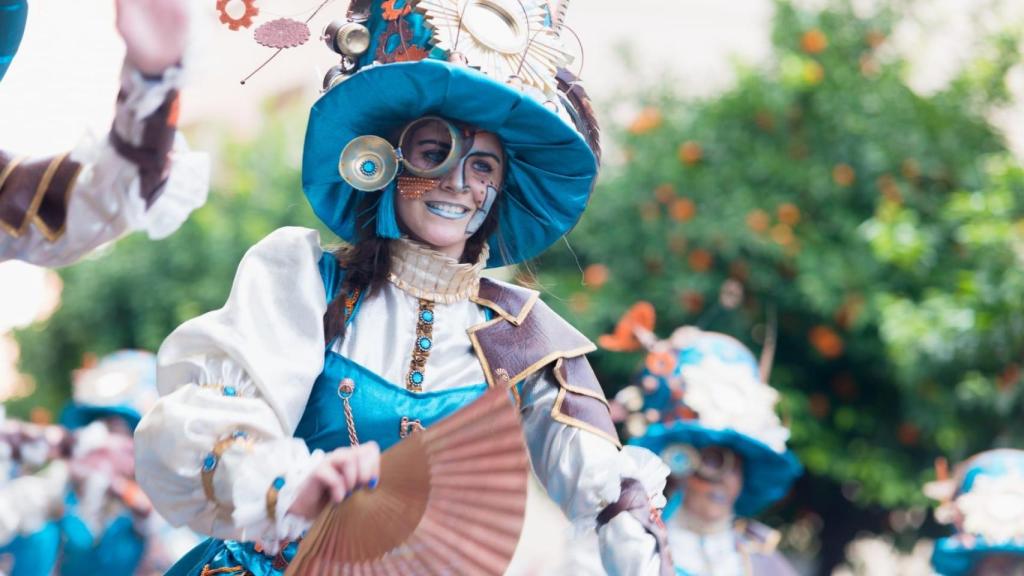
[
  {"x": 526, "y": 336},
  {"x": 523, "y": 336},
  {"x": 581, "y": 402}
]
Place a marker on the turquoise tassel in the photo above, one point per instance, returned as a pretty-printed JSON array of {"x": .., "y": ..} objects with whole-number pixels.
[{"x": 387, "y": 220}]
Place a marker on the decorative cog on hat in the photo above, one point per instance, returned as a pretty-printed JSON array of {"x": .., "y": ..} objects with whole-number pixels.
[{"x": 243, "y": 21}]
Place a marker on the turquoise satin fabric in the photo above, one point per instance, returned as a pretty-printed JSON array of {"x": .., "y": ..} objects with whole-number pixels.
[
  {"x": 378, "y": 407},
  {"x": 118, "y": 550},
  {"x": 13, "y": 14},
  {"x": 34, "y": 554}
]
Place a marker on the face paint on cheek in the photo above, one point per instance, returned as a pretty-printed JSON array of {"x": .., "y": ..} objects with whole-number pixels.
[
  {"x": 414, "y": 187},
  {"x": 482, "y": 211}
]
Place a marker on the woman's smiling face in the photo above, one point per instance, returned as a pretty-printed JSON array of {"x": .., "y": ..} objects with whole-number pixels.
[{"x": 439, "y": 213}]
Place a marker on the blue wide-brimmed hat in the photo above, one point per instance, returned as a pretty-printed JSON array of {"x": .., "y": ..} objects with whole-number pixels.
[
  {"x": 404, "y": 75},
  {"x": 121, "y": 385},
  {"x": 767, "y": 474},
  {"x": 13, "y": 14},
  {"x": 705, "y": 390},
  {"x": 987, "y": 501}
]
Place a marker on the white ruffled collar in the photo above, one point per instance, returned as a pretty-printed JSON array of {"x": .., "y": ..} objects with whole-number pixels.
[{"x": 428, "y": 274}]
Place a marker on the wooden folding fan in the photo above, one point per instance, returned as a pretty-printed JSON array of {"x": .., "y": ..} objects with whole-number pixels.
[{"x": 451, "y": 500}]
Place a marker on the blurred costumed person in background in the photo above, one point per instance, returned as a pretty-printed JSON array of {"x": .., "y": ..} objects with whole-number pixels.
[
  {"x": 109, "y": 525},
  {"x": 984, "y": 501},
  {"x": 89, "y": 516},
  {"x": 450, "y": 140},
  {"x": 141, "y": 176},
  {"x": 703, "y": 404},
  {"x": 33, "y": 480}
]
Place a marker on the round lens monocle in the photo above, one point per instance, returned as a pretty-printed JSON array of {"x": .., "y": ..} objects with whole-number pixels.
[{"x": 429, "y": 147}]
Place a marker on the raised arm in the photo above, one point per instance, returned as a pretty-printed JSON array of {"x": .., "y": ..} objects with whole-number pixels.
[{"x": 142, "y": 176}]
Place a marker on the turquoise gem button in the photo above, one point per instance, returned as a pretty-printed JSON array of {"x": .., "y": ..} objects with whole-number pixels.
[
  {"x": 278, "y": 482},
  {"x": 368, "y": 167},
  {"x": 416, "y": 377},
  {"x": 230, "y": 391},
  {"x": 424, "y": 343},
  {"x": 210, "y": 462},
  {"x": 427, "y": 316}
]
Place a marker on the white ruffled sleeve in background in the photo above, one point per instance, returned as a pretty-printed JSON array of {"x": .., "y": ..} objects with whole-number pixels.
[
  {"x": 105, "y": 202},
  {"x": 27, "y": 502},
  {"x": 266, "y": 347},
  {"x": 582, "y": 472}
]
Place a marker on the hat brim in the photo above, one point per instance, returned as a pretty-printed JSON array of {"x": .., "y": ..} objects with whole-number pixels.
[
  {"x": 550, "y": 174},
  {"x": 767, "y": 474},
  {"x": 952, "y": 558},
  {"x": 81, "y": 415},
  {"x": 12, "y": 27}
]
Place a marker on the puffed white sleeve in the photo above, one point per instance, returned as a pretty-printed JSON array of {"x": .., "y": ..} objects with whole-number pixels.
[
  {"x": 216, "y": 452},
  {"x": 140, "y": 176},
  {"x": 583, "y": 473}
]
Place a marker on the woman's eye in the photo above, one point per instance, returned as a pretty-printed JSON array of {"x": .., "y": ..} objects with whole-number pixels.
[
  {"x": 435, "y": 156},
  {"x": 483, "y": 166}
]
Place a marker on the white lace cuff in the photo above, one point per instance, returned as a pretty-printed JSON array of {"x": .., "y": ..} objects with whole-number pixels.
[{"x": 286, "y": 459}]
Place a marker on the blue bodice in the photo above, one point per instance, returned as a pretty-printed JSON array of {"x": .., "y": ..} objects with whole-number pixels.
[
  {"x": 380, "y": 411},
  {"x": 379, "y": 408}
]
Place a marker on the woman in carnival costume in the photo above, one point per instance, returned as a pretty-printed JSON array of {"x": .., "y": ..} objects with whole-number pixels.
[
  {"x": 54, "y": 210},
  {"x": 106, "y": 525},
  {"x": 984, "y": 500},
  {"x": 702, "y": 404},
  {"x": 316, "y": 351}
]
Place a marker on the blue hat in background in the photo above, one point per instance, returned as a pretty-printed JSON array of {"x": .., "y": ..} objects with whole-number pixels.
[
  {"x": 705, "y": 389},
  {"x": 498, "y": 66},
  {"x": 121, "y": 385},
  {"x": 13, "y": 14},
  {"x": 985, "y": 501}
]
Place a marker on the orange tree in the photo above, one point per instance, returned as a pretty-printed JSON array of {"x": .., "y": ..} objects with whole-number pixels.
[{"x": 884, "y": 227}]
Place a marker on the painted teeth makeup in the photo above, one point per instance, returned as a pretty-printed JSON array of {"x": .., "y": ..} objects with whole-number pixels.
[{"x": 446, "y": 210}]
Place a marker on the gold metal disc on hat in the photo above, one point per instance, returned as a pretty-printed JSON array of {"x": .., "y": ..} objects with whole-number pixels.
[
  {"x": 368, "y": 163},
  {"x": 500, "y": 25}
]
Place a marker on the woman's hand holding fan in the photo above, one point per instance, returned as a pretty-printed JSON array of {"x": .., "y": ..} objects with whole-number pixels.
[
  {"x": 451, "y": 500},
  {"x": 341, "y": 472}
]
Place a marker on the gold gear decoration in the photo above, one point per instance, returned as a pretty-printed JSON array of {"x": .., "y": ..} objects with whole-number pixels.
[
  {"x": 243, "y": 21},
  {"x": 502, "y": 38}
]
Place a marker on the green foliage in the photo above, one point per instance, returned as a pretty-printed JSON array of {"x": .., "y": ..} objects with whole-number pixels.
[
  {"x": 135, "y": 293},
  {"x": 883, "y": 226}
]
